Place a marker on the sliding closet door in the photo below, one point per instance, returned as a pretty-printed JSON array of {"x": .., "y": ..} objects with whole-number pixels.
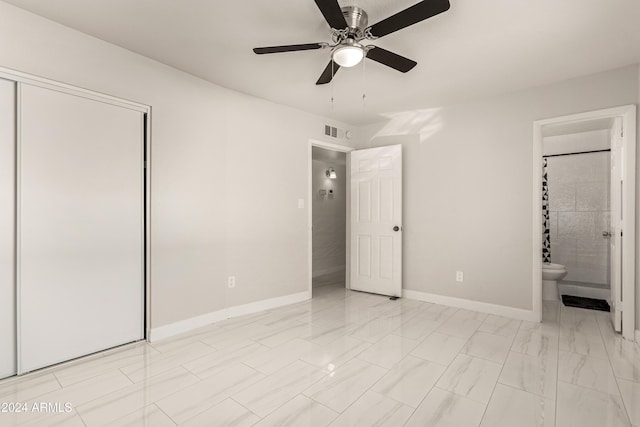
[
  {"x": 7, "y": 230},
  {"x": 80, "y": 227}
]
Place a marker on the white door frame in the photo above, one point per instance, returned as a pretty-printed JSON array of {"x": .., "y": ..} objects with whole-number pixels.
[
  {"x": 21, "y": 77},
  {"x": 342, "y": 149},
  {"x": 628, "y": 115}
]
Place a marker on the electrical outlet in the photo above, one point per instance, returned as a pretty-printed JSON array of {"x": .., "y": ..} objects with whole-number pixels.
[
  {"x": 459, "y": 276},
  {"x": 231, "y": 282}
]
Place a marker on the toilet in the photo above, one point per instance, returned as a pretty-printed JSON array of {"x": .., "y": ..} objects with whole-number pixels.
[{"x": 551, "y": 273}]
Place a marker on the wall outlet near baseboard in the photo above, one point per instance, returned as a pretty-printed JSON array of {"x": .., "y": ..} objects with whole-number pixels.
[
  {"x": 231, "y": 282},
  {"x": 459, "y": 276}
]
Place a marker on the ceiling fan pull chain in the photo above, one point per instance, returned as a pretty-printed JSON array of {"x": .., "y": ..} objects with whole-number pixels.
[
  {"x": 364, "y": 83},
  {"x": 332, "y": 85}
]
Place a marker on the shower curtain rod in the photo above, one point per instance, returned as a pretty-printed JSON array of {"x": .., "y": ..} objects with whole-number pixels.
[{"x": 579, "y": 152}]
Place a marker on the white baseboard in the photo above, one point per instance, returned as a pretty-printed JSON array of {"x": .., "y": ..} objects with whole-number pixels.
[
  {"x": 187, "y": 325},
  {"x": 267, "y": 304},
  {"x": 483, "y": 307}
]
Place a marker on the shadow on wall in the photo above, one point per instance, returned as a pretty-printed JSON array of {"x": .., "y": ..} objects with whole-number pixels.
[{"x": 424, "y": 123}]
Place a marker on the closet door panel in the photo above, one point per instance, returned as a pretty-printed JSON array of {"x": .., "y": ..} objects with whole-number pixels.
[
  {"x": 80, "y": 226},
  {"x": 7, "y": 229}
]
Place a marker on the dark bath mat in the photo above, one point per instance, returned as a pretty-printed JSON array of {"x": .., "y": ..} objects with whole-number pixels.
[{"x": 582, "y": 302}]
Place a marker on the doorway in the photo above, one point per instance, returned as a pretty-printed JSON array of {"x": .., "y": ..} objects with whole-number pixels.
[
  {"x": 328, "y": 207},
  {"x": 577, "y": 168},
  {"x": 584, "y": 206},
  {"x": 372, "y": 215}
]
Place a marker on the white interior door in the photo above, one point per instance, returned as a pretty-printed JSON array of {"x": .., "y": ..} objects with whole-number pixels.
[
  {"x": 7, "y": 229},
  {"x": 80, "y": 226},
  {"x": 616, "y": 234},
  {"x": 376, "y": 220}
]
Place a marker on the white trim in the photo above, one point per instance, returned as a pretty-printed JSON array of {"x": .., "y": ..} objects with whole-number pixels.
[
  {"x": 637, "y": 337},
  {"x": 190, "y": 324},
  {"x": 342, "y": 149},
  {"x": 589, "y": 115},
  {"x": 347, "y": 262},
  {"x": 331, "y": 146},
  {"x": 186, "y": 325},
  {"x": 536, "y": 293},
  {"x": 267, "y": 304},
  {"x": 483, "y": 307},
  {"x": 17, "y": 259},
  {"x": 629, "y": 222},
  {"x": 628, "y": 115},
  {"x": 147, "y": 231},
  {"x": 19, "y": 76}
]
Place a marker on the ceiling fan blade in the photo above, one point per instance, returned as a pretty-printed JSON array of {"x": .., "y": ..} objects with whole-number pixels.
[
  {"x": 391, "y": 59},
  {"x": 288, "y": 48},
  {"x": 328, "y": 73},
  {"x": 412, "y": 15},
  {"x": 332, "y": 13}
]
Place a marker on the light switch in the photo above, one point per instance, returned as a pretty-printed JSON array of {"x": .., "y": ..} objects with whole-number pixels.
[{"x": 300, "y": 203}]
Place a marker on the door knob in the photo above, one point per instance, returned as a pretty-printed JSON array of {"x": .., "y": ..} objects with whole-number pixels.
[
  {"x": 606, "y": 234},
  {"x": 396, "y": 228}
]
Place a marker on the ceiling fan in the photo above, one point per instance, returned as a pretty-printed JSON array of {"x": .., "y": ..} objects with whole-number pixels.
[{"x": 349, "y": 27}]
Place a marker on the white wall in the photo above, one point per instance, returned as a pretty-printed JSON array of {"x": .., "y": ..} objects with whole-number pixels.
[
  {"x": 7, "y": 230},
  {"x": 329, "y": 212},
  {"x": 468, "y": 193},
  {"x": 227, "y": 169},
  {"x": 579, "y": 189}
]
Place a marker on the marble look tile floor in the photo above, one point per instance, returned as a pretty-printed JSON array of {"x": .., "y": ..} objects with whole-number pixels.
[{"x": 351, "y": 359}]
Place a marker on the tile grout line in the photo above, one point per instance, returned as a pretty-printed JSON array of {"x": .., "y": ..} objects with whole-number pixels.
[
  {"x": 167, "y": 415},
  {"x": 240, "y": 404},
  {"x": 484, "y": 413},
  {"x": 624, "y": 405}
]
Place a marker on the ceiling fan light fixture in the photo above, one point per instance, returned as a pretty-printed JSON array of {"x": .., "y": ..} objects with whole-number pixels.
[{"x": 348, "y": 55}]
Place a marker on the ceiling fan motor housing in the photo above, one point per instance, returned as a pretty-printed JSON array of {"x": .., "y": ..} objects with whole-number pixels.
[{"x": 357, "y": 20}]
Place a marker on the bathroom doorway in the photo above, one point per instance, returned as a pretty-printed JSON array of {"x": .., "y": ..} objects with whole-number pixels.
[
  {"x": 328, "y": 210},
  {"x": 584, "y": 192}
]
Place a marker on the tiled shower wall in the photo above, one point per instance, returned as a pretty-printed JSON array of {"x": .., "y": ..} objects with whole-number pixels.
[{"x": 579, "y": 193}]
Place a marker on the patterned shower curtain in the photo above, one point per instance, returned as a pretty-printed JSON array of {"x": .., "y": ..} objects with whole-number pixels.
[{"x": 546, "y": 241}]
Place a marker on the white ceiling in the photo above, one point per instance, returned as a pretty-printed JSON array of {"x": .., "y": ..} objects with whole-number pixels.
[{"x": 477, "y": 48}]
